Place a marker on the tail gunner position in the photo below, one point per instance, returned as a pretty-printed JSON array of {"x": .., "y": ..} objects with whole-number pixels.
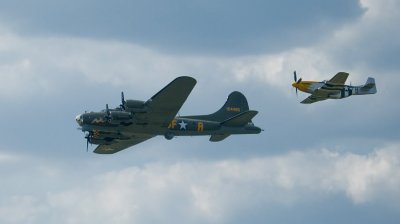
[{"x": 136, "y": 121}]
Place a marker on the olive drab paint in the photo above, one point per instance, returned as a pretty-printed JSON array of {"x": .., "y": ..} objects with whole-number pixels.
[{"x": 136, "y": 121}]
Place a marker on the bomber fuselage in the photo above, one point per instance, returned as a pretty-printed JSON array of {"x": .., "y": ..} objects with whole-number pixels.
[{"x": 106, "y": 128}]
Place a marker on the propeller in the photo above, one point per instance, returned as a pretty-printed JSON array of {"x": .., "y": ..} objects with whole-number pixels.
[
  {"x": 108, "y": 116},
  {"x": 88, "y": 137},
  {"x": 296, "y": 81},
  {"x": 87, "y": 144},
  {"x": 122, "y": 101}
]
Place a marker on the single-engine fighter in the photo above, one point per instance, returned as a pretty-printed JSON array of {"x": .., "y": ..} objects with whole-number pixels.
[
  {"x": 332, "y": 89},
  {"x": 136, "y": 121}
]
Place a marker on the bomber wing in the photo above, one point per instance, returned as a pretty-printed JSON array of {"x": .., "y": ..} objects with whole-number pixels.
[
  {"x": 165, "y": 104},
  {"x": 339, "y": 79},
  {"x": 121, "y": 144},
  {"x": 162, "y": 108},
  {"x": 317, "y": 95}
]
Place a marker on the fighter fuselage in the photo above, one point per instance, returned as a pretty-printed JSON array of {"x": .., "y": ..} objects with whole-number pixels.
[{"x": 337, "y": 91}]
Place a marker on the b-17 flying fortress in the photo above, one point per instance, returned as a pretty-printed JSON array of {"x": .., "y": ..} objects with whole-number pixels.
[{"x": 136, "y": 121}]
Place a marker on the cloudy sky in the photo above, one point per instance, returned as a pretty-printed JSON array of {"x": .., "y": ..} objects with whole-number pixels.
[{"x": 337, "y": 161}]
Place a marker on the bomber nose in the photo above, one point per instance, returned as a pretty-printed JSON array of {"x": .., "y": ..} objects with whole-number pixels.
[{"x": 79, "y": 119}]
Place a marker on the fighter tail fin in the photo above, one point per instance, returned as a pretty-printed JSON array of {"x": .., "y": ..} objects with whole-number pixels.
[{"x": 369, "y": 87}]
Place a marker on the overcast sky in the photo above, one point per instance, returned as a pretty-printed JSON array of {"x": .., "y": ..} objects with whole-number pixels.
[{"x": 336, "y": 161}]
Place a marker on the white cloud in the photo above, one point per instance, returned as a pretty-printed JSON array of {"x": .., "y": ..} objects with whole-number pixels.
[
  {"x": 213, "y": 192},
  {"x": 21, "y": 209},
  {"x": 365, "y": 178},
  {"x": 6, "y": 158},
  {"x": 277, "y": 70}
]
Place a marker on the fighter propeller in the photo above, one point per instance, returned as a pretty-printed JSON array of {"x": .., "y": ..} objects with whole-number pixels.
[{"x": 295, "y": 80}]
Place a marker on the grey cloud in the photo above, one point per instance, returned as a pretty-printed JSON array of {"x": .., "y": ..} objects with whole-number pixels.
[
  {"x": 211, "y": 27},
  {"x": 371, "y": 42}
]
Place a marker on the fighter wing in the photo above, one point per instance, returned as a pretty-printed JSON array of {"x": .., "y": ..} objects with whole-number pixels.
[
  {"x": 165, "y": 104},
  {"x": 339, "y": 79},
  {"x": 317, "y": 95},
  {"x": 121, "y": 144}
]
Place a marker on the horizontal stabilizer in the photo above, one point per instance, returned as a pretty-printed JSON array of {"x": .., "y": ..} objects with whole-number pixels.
[
  {"x": 218, "y": 137},
  {"x": 240, "y": 119}
]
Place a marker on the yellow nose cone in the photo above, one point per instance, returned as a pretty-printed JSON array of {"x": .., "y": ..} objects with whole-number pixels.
[{"x": 295, "y": 85}]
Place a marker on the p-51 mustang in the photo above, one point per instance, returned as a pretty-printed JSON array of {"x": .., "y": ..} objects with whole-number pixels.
[
  {"x": 332, "y": 89},
  {"x": 136, "y": 121}
]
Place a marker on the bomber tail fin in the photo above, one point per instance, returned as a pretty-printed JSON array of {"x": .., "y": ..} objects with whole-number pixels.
[{"x": 234, "y": 105}]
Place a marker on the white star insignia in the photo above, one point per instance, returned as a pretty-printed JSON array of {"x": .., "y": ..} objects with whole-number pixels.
[{"x": 183, "y": 125}]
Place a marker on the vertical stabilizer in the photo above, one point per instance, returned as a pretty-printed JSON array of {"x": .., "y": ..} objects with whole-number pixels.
[
  {"x": 234, "y": 105},
  {"x": 369, "y": 87}
]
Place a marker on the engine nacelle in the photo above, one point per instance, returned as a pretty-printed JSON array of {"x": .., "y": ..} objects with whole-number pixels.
[
  {"x": 135, "y": 106},
  {"x": 120, "y": 115}
]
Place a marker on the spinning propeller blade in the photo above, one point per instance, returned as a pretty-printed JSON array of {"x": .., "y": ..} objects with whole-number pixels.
[
  {"x": 298, "y": 81},
  {"x": 122, "y": 101},
  {"x": 88, "y": 138},
  {"x": 108, "y": 116}
]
